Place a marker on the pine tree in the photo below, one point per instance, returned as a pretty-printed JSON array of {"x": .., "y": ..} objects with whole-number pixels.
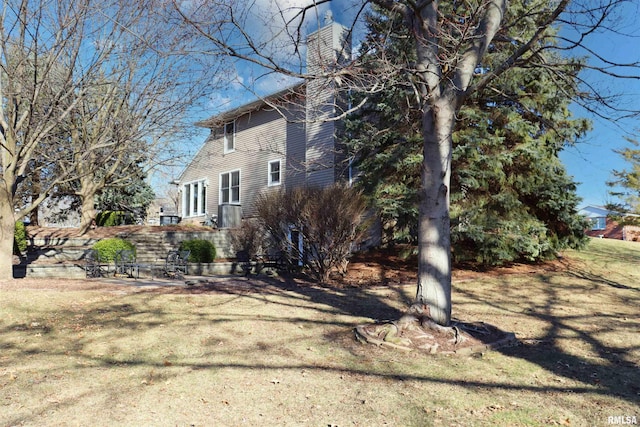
[
  {"x": 511, "y": 197},
  {"x": 628, "y": 179}
]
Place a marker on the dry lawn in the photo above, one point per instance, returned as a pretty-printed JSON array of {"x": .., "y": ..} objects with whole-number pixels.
[{"x": 259, "y": 351}]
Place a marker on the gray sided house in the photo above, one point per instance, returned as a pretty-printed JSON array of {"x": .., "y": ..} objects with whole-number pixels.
[{"x": 285, "y": 140}]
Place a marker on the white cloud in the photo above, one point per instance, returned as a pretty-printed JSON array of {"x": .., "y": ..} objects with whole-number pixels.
[
  {"x": 219, "y": 102},
  {"x": 273, "y": 82},
  {"x": 287, "y": 10},
  {"x": 237, "y": 82},
  {"x": 280, "y": 27}
]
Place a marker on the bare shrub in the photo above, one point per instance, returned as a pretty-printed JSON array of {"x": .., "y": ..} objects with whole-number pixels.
[
  {"x": 314, "y": 226},
  {"x": 249, "y": 238}
]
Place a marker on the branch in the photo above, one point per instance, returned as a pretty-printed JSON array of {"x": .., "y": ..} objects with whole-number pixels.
[
  {"x": 523, "y": 49},
  {"x": 487, "y": 29}
]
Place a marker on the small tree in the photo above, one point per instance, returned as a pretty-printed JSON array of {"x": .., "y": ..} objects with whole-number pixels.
[
  {"x": 314, "y": 226},
  {"x": 20, "y": 239},
  {"x": 108, "y": 248},
  {"x": 134, "y": 198}
]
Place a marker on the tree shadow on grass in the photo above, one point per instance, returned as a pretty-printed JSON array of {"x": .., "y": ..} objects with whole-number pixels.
[
  {"x": 604, "y": 368},
  {"x": 368, "y": 302},
  {"x": 375, "y": 305},
  {"x": 573, "y": 344}
]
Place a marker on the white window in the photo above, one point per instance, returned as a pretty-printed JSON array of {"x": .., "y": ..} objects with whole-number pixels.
[
  {"x": 194, "y": 198},
  {"x": 230, "y": 188},
  {"x": 275, "y": 176},
  {"x": 599, "y": 223},
  {"x": 230, "y": 137}
]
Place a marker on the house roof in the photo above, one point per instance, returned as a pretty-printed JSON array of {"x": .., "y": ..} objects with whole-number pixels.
[
  {"x": 269, "y": 100},
  {"x": 595, "y": 211},
  {"x": 591, "y": 211}
]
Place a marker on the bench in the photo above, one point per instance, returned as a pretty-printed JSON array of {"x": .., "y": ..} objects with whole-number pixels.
[
  {"x": 176, "y": 264},
  {"x": 275, "y": 260},
  {"x": 126, "y": 264},
  {"x": 93, "y": 265}
]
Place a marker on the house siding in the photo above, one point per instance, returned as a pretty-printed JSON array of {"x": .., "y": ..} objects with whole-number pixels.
[
  {"x": 320, "y": 154},
  {"x": 613, "y": 230},
  {"x": 295, "y": 169},
  {"x": 260, "y": 137},
  {"x": 301, "y": 133},
  {"x": 198, "y": 169}
]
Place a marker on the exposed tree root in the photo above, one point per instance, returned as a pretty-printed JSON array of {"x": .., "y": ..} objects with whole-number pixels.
[{"x": 415, "y": 330}]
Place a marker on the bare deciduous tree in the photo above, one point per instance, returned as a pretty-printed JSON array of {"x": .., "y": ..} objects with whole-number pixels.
[
  {"x": 81, "y": 83},
  {"x": 38, "y": 43},
  {"x": 128, "y": 123}
]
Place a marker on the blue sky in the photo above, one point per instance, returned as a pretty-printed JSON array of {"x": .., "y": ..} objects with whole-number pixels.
[{"x": 592, "y": 160}]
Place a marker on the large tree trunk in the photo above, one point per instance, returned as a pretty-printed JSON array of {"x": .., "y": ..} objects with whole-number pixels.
[
  {"x": 7, "y": 232},
  {"x": 88, "y": 209},
  {"x": 434, "y": 235}
]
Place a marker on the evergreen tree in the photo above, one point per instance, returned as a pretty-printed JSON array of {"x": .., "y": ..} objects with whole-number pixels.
[
  {"x": 127, "y": 192},
  {"x": 511, "y": 197},
  {"x": 628, "y": 180},
  {"x": 132, "y": 196}
]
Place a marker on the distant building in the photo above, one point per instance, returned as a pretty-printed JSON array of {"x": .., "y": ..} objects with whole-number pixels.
[
  {"x": 607, "y": 224},
  {"x": 162, "y": 210}
]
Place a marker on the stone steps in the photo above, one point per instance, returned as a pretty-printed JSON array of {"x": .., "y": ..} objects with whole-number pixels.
[{"x": 149, "y": 248}]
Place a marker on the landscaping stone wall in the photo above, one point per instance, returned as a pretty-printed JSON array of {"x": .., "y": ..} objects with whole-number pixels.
[
  {"x": 220, "y": 239},
  {"x": 64, "y": 257}
]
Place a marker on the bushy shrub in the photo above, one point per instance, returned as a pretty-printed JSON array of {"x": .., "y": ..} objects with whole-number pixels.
[
  {"x": 107, "y": 248},
  {"x": 19, "y": 238},
  {"x": 113, "y": 218},
  {"x": 315, "y": 226},
  {"x": 201, "y": 250}
]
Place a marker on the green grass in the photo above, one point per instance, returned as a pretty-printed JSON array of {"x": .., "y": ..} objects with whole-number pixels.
[{"x": 261, "y": 353}]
